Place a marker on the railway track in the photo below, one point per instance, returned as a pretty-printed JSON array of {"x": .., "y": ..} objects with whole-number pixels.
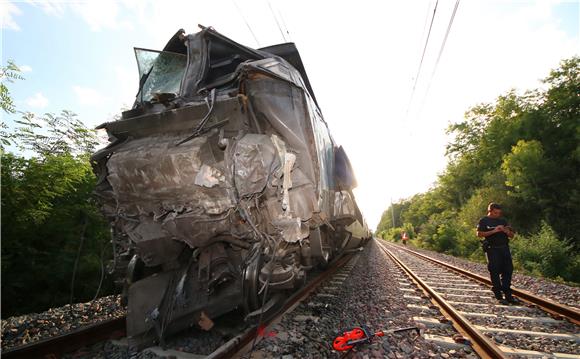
[
  {"x": 239, "y": 344},
  {"x": 56, "y": 346},
  {"x": 537, "y": 327}
]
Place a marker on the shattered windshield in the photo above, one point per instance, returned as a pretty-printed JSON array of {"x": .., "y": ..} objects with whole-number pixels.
[{"x": 159, "y": 72}]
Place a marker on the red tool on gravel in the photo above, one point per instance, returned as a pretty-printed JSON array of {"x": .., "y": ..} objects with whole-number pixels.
[{"x": 362, "y": 335}]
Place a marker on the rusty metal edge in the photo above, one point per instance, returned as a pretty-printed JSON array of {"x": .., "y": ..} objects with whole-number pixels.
[
  {"x": 546, "y": 304},
  {"x": 238, "y": 343},
  {"x": 481, "y": 344},
  {"x": 68, "y": 342}
]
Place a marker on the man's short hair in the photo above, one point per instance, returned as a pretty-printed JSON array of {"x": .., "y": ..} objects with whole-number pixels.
[{"x": 493, "y": 206}]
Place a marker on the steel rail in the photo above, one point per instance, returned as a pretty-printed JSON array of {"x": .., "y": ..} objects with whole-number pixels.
[
  {"x": 240, "y": 342},
  {"x": 482, "y": 345},
  {"x": 548, "y": 305},
  {"x": 94, "y": 333},
  {"x": 54, "y": 347}
]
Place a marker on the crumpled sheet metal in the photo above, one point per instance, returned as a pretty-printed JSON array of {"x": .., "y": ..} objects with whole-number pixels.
[
  {"x": 260, "y": 160},
  {"x": 191, "y": 200},
  {"x": 171, "y": 193},
  {"x": 281, "y": 107},
  {"x": 254, "y": 158},
  {"x": 185, "y": 193}
]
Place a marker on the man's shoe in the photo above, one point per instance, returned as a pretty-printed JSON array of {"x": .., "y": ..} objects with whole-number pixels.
[
  {"x": 512, "y": 300},
  {"x": 503, "y": 301},
  {"x": 498, "y": 296}
]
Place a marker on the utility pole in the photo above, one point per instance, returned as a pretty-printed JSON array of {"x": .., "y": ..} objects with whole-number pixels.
[{"x": 393, "y": 212}]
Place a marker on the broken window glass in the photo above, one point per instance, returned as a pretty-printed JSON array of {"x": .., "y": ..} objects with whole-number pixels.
[{"x": 160, "y": 72}]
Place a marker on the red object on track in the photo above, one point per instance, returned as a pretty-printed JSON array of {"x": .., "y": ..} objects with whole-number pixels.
[{"x": 359, "y": 335}]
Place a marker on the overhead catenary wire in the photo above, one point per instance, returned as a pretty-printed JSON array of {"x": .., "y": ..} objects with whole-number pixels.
[
  {"x": 276, "y": 20},
  {"x": 246, "y": 22},
  {"x": 422, "y": 58},
  {"x": 426, "y": 21},
  {"x": 440, "y": 52},
  {"x": 284, "y": 23}
]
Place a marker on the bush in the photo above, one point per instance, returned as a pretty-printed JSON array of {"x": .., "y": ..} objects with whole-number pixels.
[
  {"x": 47, "y": 207},
  {"x": 543, "y": 253},
  {"x": 52, "y": 230}
]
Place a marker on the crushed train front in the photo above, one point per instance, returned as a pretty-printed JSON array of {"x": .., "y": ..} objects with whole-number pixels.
[{"x": 222, "y": 184}]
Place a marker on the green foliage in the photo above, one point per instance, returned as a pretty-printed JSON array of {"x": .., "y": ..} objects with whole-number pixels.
[
  {"x": 46, "y": 208},
  {"x": 394, "y": 234},
  {"x": 48, "y": 212},
  {"x": 51, "y": 134},
  {"x": 525, "y": 168},
  {"x": 8, "y": 74},
  {"x": 544, "y": 254},
  {"x": 392, "y": 213},
  {"x": 522, "y": 151}
]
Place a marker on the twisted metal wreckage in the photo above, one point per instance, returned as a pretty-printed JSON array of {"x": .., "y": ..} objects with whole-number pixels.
[{"x": 223, "y": 184}]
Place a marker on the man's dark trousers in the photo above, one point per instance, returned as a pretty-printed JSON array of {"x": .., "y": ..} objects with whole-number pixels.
[{"x": 499, "y": 264}]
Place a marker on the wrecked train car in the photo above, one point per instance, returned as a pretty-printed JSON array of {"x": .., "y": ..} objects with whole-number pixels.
[{"x": 223, "y": 184}]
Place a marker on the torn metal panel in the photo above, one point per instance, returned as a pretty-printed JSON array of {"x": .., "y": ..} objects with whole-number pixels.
[{"x": 254, "y": 159}]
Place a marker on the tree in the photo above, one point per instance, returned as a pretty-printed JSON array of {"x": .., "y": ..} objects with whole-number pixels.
[
  {"x": 525, "y": 169},
  {"x": 47, "y": 211},
  {"x": 522, "y": 151},
  {"x": 8, "y": 74}
]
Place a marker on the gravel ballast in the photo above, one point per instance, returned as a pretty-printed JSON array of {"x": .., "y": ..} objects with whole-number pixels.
[
  {"x": 558, "y": 292},
  {"x": 32, "y": 327},
  {"x": 532, "y": 330},
  {"x": 369, "y": 296}
]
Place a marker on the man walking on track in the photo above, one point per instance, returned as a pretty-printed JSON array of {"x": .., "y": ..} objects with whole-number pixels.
[{"x": 496, "y": 233}]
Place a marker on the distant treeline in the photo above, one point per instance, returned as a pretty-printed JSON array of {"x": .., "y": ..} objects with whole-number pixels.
[
  {"x": 522, "y": 151},
  {"x": 55, "y": 243}
]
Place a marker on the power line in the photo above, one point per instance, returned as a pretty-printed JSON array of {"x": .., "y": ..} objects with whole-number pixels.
[
  {"x": 422, "y": 57},
  {"x": 276, "y": 19},
  {"x": 426, "y": 22},
  {"x": 440, "y": 51},
  {"x": 245, "y": 21},
  {"x": 284, "y": 23}
]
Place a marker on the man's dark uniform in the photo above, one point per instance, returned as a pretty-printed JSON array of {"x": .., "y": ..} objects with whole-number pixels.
[{"x": 499, "y": 258}]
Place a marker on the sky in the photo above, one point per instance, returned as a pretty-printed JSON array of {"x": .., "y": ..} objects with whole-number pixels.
[{"x": 362, "y": 58}]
